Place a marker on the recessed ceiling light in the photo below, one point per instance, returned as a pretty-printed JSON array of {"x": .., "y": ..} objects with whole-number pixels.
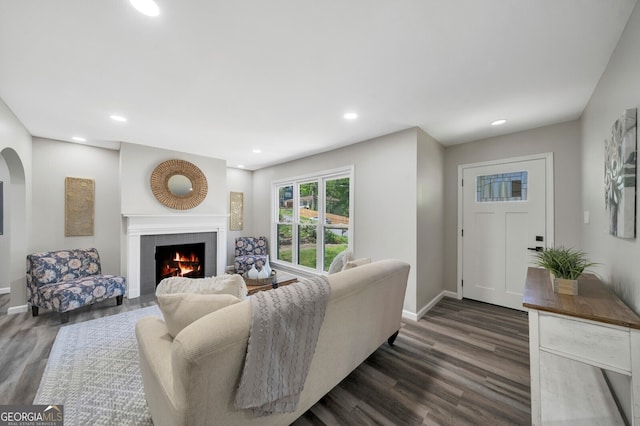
[
  {"x": 146, "y": 7},
  {"x": 241, "y": 166},
  {"x": 118, "y": 118},
  {"x": 350, "y": 116},
  {"x": 78, "y": 139},
  {"x": 498, "y": 122},
  {"x": 257, "y": 151}
]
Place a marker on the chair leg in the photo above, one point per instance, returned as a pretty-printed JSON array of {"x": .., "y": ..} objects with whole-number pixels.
[
  {"x": 34, "y": 311},
  {"x": 119, "y": 300},
  {"x": 392, "y": 339},
  {"x": 64, "y": 317}
]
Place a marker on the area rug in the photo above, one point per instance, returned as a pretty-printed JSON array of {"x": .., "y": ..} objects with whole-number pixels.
[{"x": 94, "y": 371}]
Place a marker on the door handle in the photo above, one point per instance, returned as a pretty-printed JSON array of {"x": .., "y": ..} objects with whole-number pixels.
[{"x": 535, "y": 248}]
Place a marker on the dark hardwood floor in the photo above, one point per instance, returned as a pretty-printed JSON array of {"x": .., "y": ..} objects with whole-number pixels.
[
  {"x": 465, "y": 362},
  {"x": 26, "y": 341}
]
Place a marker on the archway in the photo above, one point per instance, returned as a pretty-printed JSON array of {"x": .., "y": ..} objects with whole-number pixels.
[{"x": 13, "y": 242}]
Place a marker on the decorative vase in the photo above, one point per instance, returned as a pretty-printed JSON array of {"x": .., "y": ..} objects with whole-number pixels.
[
  {"x": 263, "y": 273},
  {"x": 267, "y": 267},
  {"x": 253, "y": 272}
]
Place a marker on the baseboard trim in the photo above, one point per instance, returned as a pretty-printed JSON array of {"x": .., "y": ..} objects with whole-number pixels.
[
  {"x": 451, "y": 294},
  {"x": 17, "y": 309},
  {"x": 5, "y": 290},
  {"x": 415, "y": 317},
  {"x": 409, "y": 315}
]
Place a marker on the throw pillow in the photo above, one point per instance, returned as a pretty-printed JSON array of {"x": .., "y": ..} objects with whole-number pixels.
[
  {"x": 181, "y": 309},
  {"x": 357, "y": 262},
  {"x": 338, "y": 262}
]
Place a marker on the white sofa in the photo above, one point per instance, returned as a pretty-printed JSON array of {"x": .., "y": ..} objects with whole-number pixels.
[{"x": 192, "y": 379}]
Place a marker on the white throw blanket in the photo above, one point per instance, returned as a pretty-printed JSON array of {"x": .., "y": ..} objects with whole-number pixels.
[
  {"x": 284, "y": 331},
  {"x": 232, "y": 284}
]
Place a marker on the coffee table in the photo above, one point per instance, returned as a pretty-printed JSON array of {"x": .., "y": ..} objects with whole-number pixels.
[{"x": 282, "y": 279}]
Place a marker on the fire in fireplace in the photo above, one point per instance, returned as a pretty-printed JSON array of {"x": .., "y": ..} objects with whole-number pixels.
[{"x": 184, "y": 260}]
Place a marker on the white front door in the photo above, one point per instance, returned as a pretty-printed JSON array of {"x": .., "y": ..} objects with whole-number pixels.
[{"x": 506, "y": 214}]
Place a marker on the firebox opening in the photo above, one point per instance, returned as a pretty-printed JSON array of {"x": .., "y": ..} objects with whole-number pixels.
[{"x": 184, "y": 260}]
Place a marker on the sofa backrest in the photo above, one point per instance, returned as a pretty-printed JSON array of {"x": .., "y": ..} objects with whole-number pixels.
[
  {"x": 62, "y": 265},
  {"x": 365, "y": 308}
]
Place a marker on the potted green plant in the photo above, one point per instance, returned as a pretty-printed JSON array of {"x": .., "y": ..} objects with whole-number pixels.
[{"x": 565, "y": 266}]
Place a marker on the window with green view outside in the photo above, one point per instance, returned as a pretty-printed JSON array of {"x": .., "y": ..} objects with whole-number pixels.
[{"x": 313, "y": 219}]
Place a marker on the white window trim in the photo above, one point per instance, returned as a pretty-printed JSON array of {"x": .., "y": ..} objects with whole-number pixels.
[{"x": 347, "y": 171}]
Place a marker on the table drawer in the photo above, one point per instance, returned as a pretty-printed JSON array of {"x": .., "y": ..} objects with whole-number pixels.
[{"x": 590, "y": 341}]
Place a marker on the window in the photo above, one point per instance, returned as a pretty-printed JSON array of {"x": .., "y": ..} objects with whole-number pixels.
[
  {"x": 313, "y": 219},
  {"x": 502, "y": 187}
]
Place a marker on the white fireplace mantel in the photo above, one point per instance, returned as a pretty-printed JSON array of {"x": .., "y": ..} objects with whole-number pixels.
[{"x": 138, "y": 225}]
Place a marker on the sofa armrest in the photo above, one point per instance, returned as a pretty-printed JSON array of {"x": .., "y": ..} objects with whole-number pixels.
[
  {"x": 207, "y": 360},
  {"x": 154, "y": 347},
  {"x": 203, "y": 363}
]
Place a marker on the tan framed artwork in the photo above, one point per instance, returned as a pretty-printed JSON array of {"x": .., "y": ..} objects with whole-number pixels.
[
  {"x": 236, "y": 207},
  {"x": 79, "y": 206}
]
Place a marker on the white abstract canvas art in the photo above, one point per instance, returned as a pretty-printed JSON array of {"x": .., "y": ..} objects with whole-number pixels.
[{"x": 620, "y": 176}]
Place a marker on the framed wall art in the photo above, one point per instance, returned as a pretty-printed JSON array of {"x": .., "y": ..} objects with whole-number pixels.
[
  {"x": 79, "y": 207},
  {"x": 620, "y": 166},
  {"x": 236, "y": 207}
]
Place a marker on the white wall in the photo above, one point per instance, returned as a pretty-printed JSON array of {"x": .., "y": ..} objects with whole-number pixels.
[
  {"x": 137, "y": 162},
  {"x": 15, "y": 147},
  {"x": 430, "y": 205},
  {"x": 240, "y": 181},
  {"x": 617, "y": 90},
  {"x": 385, "y": 197},
  {"x": 562, "y": 139},
  {"x": 53, "y": 161}
]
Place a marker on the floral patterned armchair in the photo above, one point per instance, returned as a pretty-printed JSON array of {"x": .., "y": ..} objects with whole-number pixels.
[
  {"x": 250, "y": 251},
  {"x": 68, "y": 279}
]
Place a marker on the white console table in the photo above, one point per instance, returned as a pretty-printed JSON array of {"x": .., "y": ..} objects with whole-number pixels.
[{"x": 594, "y": 328}]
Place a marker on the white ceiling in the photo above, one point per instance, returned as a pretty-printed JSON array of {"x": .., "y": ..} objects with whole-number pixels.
[{"x": 221, "y": 78}]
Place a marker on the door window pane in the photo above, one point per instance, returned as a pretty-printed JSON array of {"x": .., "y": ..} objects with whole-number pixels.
[{"x": 502, "y": 187}]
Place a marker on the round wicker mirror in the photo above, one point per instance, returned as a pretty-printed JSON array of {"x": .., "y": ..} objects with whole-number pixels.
[{"x": 179, "y": 184}]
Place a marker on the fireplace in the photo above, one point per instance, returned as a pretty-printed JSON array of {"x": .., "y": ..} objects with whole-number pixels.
[
  {"x": 181, "y": 260},
  {"x": 195, "y": 251},
  {"x": 145, "y": 232}
]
